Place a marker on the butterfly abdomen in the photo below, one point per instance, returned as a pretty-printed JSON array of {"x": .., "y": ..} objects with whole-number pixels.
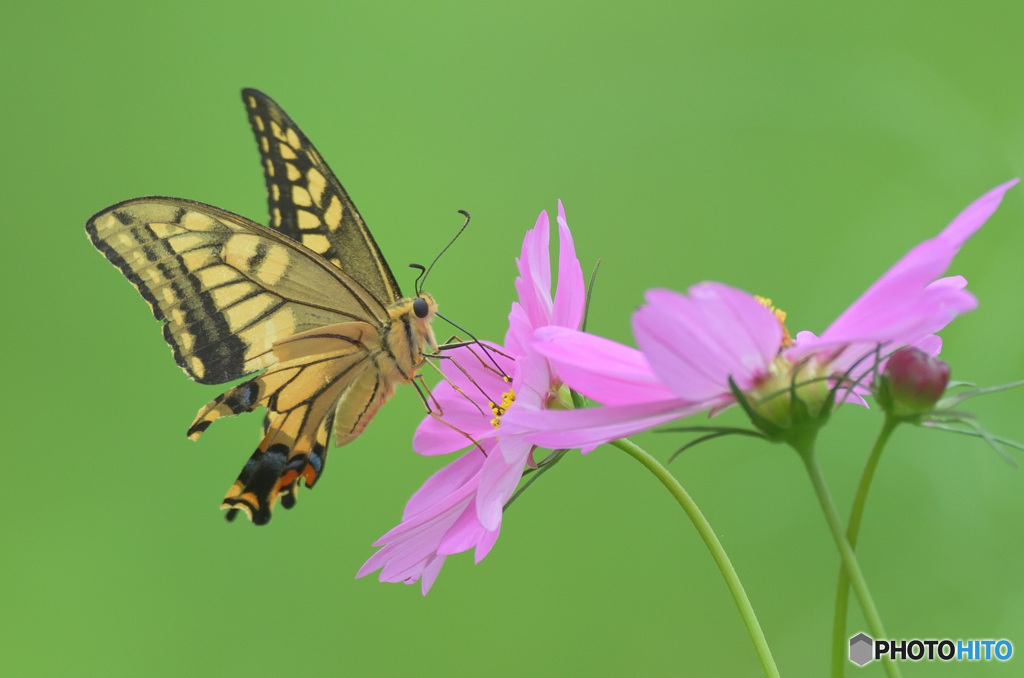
[{"x": 397, "y": 358}]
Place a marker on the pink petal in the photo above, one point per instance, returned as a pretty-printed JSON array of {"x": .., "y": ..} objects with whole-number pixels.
[
  {"x": 459, "y": 423},
  {"x": 434, "y": 437},
  {"x": 520, "y": 330},
  {"x": 903, "y": 305},
  {"x": 430, "y": 572},
  {"x": 975, "y": 215},
  {"x": 932, "y": 345},
  {"x": 535, "y": 307},
  {"x": 590, "y": 427},
  {"x": 407, "y": 548},
  {"x": 571, "y": 293},
  {"x": 534, "y": 282},
  {"x": 696, "y": 342},
  {"x": 429, "y": 524},
  {"x": 485, "y": 544},
  {"x": 600, "y": 369},
  {"x": 456, "y": 479},
  {"x": 908, "y": 302},
  {"x": 439, "y": 519},
  {"x": 498, "y": 479},
  {"x": 464, "y": 534},
  {"x": 956, "y": 282}
]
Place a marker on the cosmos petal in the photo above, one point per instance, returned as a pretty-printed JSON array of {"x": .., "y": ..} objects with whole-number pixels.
[
  {"x": 587, "y": 428},
  {"x": 910, "y": 301},
  {"x": 570, "y": 295},
  {"x": 600, "y": 369},
  {"x": 696, "y": 342}
]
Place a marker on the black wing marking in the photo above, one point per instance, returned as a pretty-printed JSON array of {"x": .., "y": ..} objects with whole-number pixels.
[{"x": 309, "y": 205}]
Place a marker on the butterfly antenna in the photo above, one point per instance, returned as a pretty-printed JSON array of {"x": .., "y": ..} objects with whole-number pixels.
[
  {"x": 450, "y": 243},
  {"x": 423, "y": 272}
]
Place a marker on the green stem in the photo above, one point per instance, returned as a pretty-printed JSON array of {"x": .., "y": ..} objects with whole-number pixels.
[
  {"x": 732, "y": 580},
  {"x": 839, "y": 649},
  {"x": 849, "y": 559}
]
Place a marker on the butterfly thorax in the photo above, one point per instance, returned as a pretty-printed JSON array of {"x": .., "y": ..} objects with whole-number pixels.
[
  {"x": 409, "y": 335},
  {"x": 393, "y": 354}
]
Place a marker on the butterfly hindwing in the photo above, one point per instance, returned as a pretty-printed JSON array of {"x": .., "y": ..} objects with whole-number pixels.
[
  {"x": 318, "y": 372},
  {"x": 308, "y": 204},
  {"x": 226, "y": 288}
]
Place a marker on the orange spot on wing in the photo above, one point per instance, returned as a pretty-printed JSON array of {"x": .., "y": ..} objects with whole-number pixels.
[{"x": 309, "y": 475}]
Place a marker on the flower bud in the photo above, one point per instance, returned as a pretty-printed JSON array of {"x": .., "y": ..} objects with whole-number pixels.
[{"x": 912, "y": 382}]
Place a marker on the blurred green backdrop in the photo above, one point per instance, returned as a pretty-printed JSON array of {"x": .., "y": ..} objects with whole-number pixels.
[{"x": 795, "y": 150}]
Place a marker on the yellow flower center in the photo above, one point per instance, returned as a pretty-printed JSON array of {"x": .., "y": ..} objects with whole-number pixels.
[
  {"x": 780, "y": 315},
  {"x": 507, "y": 398}
]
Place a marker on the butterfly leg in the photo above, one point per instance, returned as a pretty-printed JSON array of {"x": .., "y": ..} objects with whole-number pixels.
[{"x": 438, "y": 413}]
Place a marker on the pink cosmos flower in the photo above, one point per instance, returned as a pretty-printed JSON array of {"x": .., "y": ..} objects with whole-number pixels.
[
  {"x": 692, "y": 344},
  {"x": 460, "y": 506}
]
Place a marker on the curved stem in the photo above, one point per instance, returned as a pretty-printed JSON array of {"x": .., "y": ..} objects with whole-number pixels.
[
  {"x": 732, "y": 580},
  {"x": 850, "y": 564},
  {"x": 839, "y": 652}
]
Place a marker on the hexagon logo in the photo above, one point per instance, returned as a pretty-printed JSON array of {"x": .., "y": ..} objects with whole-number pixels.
[{"x": 861, "y": 649}]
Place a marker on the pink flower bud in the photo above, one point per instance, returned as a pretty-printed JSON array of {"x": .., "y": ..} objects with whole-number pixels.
[{"x": 914, "y": 380}]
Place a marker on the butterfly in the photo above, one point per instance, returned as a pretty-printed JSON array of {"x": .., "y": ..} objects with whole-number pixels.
[{"x": 309, "y": 300}]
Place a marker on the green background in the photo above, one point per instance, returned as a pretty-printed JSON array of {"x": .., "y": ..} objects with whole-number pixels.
[{"x": 795, "y": 150}]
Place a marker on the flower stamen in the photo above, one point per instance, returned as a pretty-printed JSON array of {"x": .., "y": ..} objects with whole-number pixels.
[
  {"x": 780, "y": 315},
  {"x": 507, "y": 398}
]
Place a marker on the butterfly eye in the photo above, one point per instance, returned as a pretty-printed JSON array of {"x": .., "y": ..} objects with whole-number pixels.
[{"x": 420, "y": 307}]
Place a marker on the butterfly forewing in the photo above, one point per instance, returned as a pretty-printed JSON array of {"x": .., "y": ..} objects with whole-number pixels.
[
  {"x": 308, "y": 204},
  {"x": 226, "y": 287}
]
